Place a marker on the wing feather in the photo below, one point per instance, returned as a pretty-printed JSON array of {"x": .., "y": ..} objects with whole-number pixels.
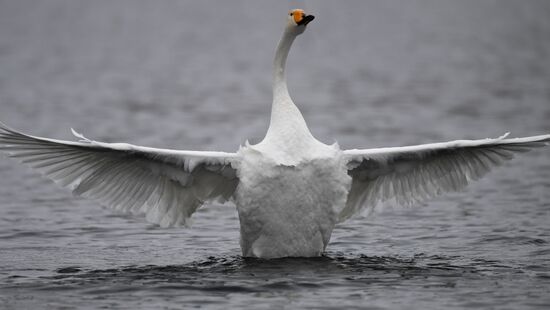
[
  {"x": 165, "y": 185},
  {"x": 414, "y": 173}
]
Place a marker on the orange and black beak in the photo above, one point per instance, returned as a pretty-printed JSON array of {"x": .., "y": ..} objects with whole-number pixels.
[{"x": 300, "y": 17}]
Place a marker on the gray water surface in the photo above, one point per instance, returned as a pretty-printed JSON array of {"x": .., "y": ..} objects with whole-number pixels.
[{"x": 196, "y": 75}]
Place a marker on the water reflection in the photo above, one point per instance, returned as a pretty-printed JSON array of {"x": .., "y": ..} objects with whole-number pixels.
[{"x": 237, "y": 274}]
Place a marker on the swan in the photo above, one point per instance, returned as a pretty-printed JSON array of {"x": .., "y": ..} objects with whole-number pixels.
[{"x": 289, "y": 190}]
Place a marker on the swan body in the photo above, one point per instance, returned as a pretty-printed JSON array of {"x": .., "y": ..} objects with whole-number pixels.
[
  {"x": 289, "y": 210},
  {"x": 290, "y": 189}
]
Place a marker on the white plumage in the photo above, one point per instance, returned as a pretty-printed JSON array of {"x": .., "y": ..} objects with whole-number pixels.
[
  {"x": 165, "y": 185},
  {"x": 290, "y": 189}
]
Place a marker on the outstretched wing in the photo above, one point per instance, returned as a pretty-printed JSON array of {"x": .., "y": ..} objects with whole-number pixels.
[
  {"x": 412, "y": 173},
  {"x": 165, "y": 185}
]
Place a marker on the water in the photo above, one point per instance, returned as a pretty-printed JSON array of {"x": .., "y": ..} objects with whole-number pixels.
[{"x": 196, "y": 75}]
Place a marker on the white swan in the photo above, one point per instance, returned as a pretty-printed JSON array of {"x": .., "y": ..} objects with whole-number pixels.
[{"x": 290, "y": 189}]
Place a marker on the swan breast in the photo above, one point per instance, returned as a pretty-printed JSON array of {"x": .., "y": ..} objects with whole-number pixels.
[{"x": 289, "y": 210}]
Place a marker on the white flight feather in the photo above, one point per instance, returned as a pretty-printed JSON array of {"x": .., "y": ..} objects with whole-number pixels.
[
  {"x": 165, "y": 185},
  {"x": 412, "y": 173}
]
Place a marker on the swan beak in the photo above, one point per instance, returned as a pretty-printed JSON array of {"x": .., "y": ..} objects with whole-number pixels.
[{"x": 305, "y": 20}]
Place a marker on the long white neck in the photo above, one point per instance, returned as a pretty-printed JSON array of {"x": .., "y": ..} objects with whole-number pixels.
[
  {"x": 287, "y": 123},
  {"x": 280, "y": 90}
]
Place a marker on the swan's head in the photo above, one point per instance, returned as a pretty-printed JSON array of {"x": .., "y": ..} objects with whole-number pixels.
[{"x": 298, "y": 20}]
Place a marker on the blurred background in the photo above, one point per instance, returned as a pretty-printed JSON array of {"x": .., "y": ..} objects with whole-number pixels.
[{"x": 197, "y": 75}]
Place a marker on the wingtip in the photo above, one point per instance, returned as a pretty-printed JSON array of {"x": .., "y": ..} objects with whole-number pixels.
[
  {"x": 4, "y": 127},
  {"x": 7, "y": 129},
  {"x": 79, "y": 136}
]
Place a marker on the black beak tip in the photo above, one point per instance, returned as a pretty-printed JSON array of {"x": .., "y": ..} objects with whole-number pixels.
[{"x": 306, "y": 20}]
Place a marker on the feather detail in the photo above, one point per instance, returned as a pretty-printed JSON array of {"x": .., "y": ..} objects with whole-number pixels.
[
  {"x": 414, "y": 173},
  {"x": 165, "y": 185}
]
